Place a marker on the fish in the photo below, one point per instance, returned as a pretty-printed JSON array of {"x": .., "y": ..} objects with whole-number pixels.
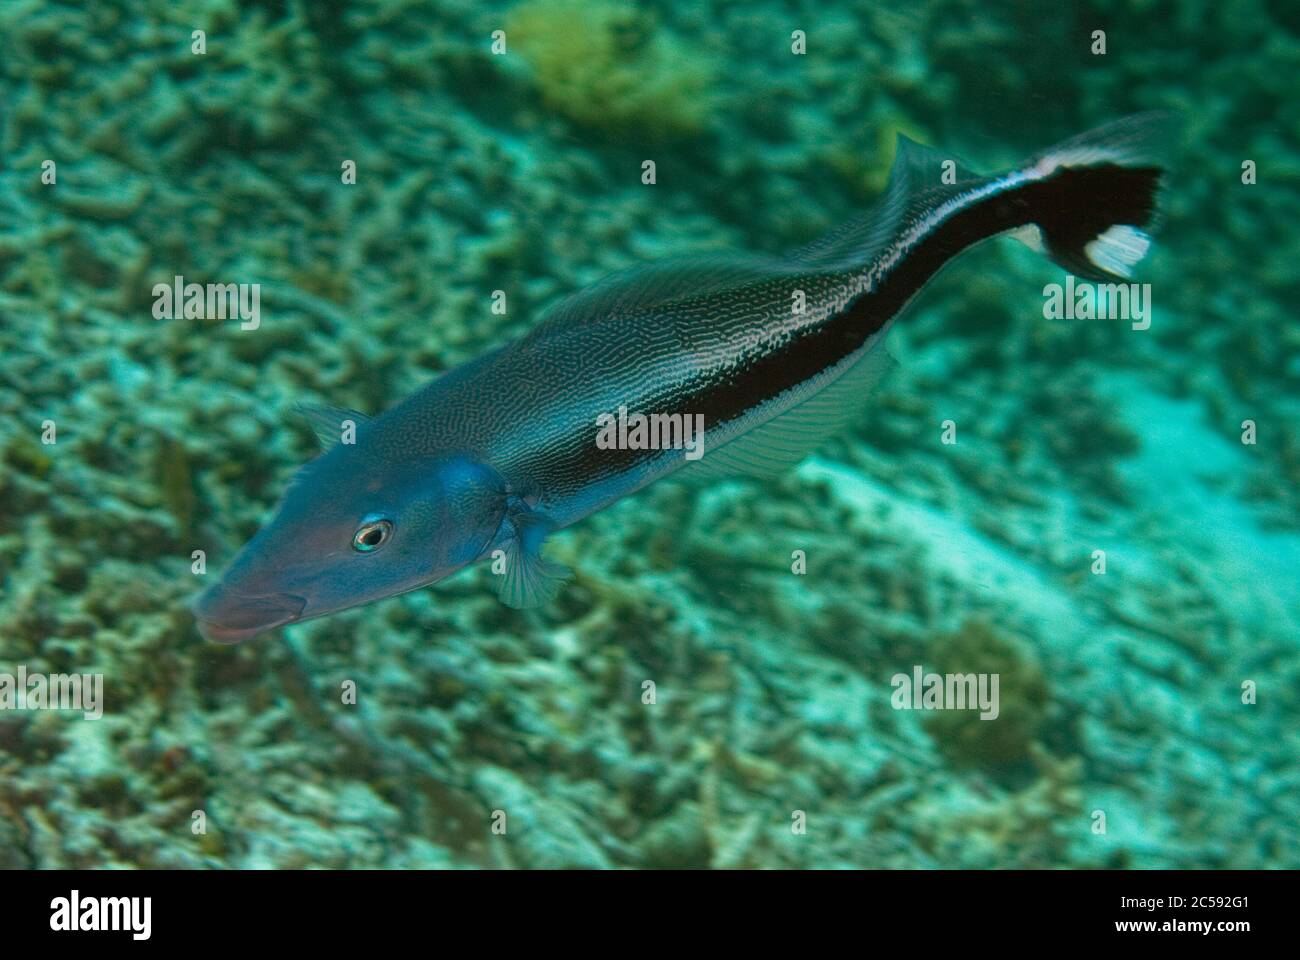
[{"x": 710, "y": 366}]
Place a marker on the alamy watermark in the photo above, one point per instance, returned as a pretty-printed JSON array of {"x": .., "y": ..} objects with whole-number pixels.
[
  {"x": 655, "y": 431},
  {"x": 76, "y": 913},
  {"x": 946, "y": 691},
  {"x": 208, "y": 301},
  {"x": 53, "y": 691},
  {"x": 1101, "y": 301}
]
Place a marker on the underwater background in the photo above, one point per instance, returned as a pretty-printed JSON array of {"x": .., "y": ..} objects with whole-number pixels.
[{"x": 1123, "y": 693}]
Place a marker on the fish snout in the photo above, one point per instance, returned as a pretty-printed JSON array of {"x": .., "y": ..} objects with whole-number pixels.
[{"x": 226, "y": 617}]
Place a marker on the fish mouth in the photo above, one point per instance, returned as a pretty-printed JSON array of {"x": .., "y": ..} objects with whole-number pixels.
[{"x": 230, "y": 617}]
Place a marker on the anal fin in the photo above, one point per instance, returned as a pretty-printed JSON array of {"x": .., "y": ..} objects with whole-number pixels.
[{"x": 785, "y": 440}]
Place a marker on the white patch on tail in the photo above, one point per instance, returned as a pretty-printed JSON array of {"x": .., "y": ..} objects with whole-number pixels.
[
  {"x": 1030, "y": 236},
  {"x": 1119, "y": 249}
]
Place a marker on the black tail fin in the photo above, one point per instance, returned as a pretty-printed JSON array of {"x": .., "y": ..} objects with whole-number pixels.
[
  {"x": 1087, "y": 202},
  {"x": 1093, "y": 197}
]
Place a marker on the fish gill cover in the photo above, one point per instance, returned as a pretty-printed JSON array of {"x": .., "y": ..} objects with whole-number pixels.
[{"x": 1091, "y": 509}]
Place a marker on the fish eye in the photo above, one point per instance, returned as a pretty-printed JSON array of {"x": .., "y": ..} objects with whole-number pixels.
[{"x": 372, "y": 534}]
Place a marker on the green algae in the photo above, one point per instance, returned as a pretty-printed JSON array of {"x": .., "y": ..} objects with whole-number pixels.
[{"x": 620, "y": 72}]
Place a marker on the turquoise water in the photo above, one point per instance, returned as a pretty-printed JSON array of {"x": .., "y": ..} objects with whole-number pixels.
[{"x": 1147, "y": 713}]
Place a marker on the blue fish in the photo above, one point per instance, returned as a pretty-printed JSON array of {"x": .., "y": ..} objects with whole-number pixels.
[{"x": 716, "y": 365}]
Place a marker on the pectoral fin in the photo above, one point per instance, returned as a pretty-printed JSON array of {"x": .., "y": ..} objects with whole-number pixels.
[{"x": 529, "y": 579}]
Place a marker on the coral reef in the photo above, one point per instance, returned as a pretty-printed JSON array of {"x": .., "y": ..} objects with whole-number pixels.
[{"x": 1122, "y": 692}]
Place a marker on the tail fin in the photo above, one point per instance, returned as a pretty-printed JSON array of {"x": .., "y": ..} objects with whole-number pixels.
[
  {"x": 1092, "y": 198},
  {"x": 1088, "y": 202}
]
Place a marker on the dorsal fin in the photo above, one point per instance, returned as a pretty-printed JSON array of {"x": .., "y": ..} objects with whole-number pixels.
[
  {"x": 916, "y": 184},
  {"x": 653, "y": 285},
  {"x": 921, "y": 168}
]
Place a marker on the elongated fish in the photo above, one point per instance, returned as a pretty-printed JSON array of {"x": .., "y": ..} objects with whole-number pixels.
[{"x": 714, "y": 365}]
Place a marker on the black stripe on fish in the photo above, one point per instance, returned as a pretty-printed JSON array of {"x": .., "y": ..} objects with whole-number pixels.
[{"x": 1071, "y": 207}]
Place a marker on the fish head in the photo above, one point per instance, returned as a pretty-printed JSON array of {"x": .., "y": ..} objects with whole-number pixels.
[{"x": 350, "y": 530}]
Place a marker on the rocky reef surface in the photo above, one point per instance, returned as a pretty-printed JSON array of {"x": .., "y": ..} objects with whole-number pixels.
[{"x": 521, "y": 171}]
